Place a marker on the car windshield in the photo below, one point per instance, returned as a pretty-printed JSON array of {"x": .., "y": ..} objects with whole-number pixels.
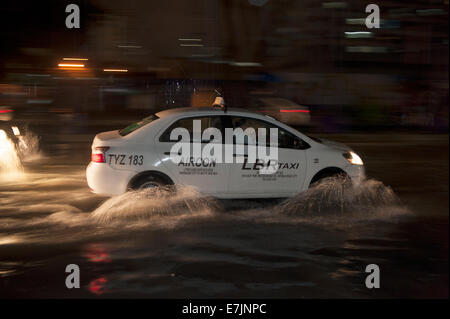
[
  {"x": 314, "y": 138},
  {"x": 137, "y": 125}
]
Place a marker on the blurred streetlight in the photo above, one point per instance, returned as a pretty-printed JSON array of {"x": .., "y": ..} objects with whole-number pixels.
[{"x": 115, "y": 70}]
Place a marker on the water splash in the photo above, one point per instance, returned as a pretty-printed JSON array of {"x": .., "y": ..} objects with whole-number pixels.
[
  {"x": 28, "y": 146},
  {"x": 49, "y": 207},
  {"x": 155, "y": 203},
  {"x": 10, "y": 165},
  {"x": 333, "y": 198}
]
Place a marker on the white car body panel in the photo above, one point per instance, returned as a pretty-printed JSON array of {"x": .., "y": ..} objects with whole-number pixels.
[{"x": 224, "y": 180}]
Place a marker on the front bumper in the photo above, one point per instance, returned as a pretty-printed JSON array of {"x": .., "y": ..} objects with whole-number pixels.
[{"x": 104, "y": 180}]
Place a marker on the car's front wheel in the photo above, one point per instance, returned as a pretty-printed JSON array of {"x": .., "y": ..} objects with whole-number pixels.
[{"x": 332, "y": 176}]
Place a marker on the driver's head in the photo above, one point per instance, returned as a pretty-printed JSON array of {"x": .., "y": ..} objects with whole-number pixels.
[{"x": 242, "y": 123}]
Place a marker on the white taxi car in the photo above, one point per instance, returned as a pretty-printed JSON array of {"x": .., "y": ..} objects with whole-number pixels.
[{"x": 139, "y": 156}]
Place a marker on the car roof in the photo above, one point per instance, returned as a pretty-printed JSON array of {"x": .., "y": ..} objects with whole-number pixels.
[{"x": 203, "y": 110}]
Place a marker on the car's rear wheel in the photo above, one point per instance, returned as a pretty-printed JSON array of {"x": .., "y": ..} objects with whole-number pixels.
[{"x": 147, "y": 182}]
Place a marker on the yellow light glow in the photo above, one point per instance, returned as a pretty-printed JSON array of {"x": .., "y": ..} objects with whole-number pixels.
[
  {"x": 115, "y": 70},
  {"x": 70, "y": 65},
  {"x": 7, "y": 240},
  {"x": 354, "y": 158}
]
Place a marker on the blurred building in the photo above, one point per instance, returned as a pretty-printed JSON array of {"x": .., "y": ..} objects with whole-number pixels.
[{"x": 159, "y": 53}]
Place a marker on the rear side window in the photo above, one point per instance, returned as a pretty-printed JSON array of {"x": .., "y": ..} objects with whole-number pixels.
[
  {"x": 188, "y": 124},
  {"x": 137, "y": 125}
]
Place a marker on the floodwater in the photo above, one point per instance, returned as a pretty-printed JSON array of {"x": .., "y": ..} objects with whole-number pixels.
[{"x": 179, "y": 243}]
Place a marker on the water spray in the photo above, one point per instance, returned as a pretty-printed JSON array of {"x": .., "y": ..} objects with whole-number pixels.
[{"x": 10, "y": 164}]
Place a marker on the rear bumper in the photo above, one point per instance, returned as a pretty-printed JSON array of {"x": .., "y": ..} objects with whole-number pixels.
[{"x": 104, "y": 180}]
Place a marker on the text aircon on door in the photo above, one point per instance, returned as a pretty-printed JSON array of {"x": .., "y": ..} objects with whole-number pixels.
[{"x": 205, "y": 174}]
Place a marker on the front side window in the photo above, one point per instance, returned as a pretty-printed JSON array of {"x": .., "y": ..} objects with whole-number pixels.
[
  {"x": 249, "y": 128},
  {"x": 285, "y": 139}
]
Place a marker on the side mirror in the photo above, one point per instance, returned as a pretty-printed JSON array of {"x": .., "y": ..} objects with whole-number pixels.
[{"x": 300, "y": 144}]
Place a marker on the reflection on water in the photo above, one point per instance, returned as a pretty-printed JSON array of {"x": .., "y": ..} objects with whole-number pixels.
[
  {"x": 97, "y": 286},
  {"x": 97, "y": 253}
]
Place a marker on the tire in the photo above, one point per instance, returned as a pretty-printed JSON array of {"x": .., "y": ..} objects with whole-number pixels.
[
  {"x": 340, "y": 177},
  {"x": 148, "y": 181}
]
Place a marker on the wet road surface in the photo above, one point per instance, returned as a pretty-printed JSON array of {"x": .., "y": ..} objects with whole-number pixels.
[{"x": 148, "y": 244}]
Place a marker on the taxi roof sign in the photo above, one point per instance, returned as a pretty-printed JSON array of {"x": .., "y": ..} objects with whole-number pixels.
[{"x": 220, "y": 102}]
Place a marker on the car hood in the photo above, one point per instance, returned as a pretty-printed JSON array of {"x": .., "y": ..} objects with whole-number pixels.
[{"x": 335, "y": 145}]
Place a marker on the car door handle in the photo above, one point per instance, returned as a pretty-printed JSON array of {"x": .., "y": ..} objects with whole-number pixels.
[{"x": 168, "y": 153}]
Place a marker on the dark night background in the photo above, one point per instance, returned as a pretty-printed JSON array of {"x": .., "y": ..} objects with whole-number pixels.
[{"x": 396, "y": 76}]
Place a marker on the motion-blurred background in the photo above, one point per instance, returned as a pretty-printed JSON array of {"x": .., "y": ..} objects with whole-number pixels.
[{"x": 316, "y": 58}]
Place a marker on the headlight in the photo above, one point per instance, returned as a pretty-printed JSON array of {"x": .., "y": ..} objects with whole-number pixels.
[
  {"x": 15, "y": 130},
  {"x": 2, "y": 135},
  {"x": 353, "y": 158}
]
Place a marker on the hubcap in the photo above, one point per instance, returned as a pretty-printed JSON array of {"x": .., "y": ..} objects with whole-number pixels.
[{"x": 149, "y": 185}]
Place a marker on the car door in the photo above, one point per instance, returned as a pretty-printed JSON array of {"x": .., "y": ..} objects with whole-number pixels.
[
  {"x": 206, "y": 174},
  {"x": 247, "y": 180}
]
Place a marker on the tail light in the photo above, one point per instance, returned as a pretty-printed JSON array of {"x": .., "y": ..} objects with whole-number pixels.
[{"x": 98, "y": 154}]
